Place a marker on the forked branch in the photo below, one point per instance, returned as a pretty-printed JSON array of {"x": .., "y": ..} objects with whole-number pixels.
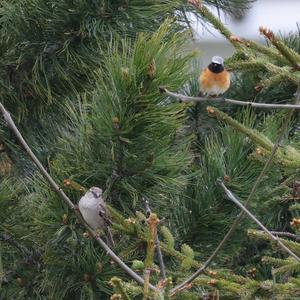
[{"x": 236, "y": 201}]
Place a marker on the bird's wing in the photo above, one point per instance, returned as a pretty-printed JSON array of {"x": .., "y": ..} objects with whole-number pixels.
[{"x": 104, "y": 214}]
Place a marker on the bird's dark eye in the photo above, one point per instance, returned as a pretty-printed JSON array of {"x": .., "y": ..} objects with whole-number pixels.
[{"x": 96, "y": 195}]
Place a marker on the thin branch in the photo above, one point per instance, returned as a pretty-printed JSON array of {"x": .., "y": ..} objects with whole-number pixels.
[
  {"x": 287, "y": 234},
  {"x": 66, "y": 199},
  {"x": 236, "y": 201},
  {"x": 184, "y": 98},
  {"x": 158, "y": 248},
  {"x": 241, "y": 214}
]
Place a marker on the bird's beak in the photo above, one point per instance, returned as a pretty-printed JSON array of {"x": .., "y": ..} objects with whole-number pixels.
[{"x": 96, "y": 195}]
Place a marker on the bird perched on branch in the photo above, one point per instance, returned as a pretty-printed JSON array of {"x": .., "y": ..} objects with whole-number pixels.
[
  {"x": 214, "y": 80},
  {"x": 93, "y": 210}
]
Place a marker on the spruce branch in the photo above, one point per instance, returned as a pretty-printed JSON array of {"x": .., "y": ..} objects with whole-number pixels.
[
  {"x": 158, "y": 248},
  {"x": 236, "y": 201},
  {"x": 147, "y": 273},
  {"x": 119, "y": 287},
  {"x": 152, "y": 224},
  {"x": 247, "y": 65},
  {"x": 261, "y": 235},
  {"x": 210, "y": 17},
  {"x": 227, "y": 236},
  {"x": 287, "y": 156},
  {"x": 184, "y": 98},
  {"x": 10, "y": 123},
  {"x": 166, "y": 247},
  {"x": 292, "y": 56},
  {"x": 253, "y": 134},
  {"x": 257, "y": 47},
  {"x": 287, "y": 234}
]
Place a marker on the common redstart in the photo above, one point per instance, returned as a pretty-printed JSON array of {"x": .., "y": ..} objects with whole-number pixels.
[{"x": 214, "y": 80}]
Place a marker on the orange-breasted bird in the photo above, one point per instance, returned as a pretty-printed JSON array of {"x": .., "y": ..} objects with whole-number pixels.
[{"x": 214, "y": 80}]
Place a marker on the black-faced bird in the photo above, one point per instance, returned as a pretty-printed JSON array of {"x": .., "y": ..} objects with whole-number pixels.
[{"x": 215, "y": 79}]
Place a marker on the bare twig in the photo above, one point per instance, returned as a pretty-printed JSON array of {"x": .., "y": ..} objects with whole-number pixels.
[
  {"x": 235, "y": 200},
  {"x": 184, "y": 98},
  {"x": 241, "y": 214},
  {"x": 66, "y": 199},
  {"x": 158, "y": 249}
]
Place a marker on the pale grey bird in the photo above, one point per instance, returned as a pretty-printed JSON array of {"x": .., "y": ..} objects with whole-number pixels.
[{"x": 94, "y": 212}]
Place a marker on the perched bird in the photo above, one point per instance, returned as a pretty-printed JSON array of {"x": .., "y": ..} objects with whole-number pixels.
[
  {"x": 93, "y": 210},
  {"x": 214, "y": 80}
]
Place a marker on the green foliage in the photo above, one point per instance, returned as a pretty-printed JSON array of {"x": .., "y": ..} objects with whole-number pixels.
[
  {"x": 130, "y": 133},
  {"x": 48, "y": 54},
  {"x": 168, "y": 237},
  {"x": 224, "y": 154},
  {"x": 93, "y": 69},
  {"x": 187, "y": 263}
]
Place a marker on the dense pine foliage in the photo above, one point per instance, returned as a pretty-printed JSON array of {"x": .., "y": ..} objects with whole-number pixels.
[{"x": 82, "y": 81}]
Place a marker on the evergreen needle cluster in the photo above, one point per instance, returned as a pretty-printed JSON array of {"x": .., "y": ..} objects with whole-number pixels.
[{"x": 81, "y": 79}]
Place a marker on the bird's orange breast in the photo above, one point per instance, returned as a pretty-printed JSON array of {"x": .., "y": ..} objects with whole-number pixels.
[{"x": 214, "y": 83}]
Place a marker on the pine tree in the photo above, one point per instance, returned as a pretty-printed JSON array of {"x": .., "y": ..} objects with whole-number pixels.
[{"x": 84, "y": 88}]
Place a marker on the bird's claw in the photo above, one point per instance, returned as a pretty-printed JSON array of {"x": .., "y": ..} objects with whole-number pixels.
[{"x": 75, "y": 207}]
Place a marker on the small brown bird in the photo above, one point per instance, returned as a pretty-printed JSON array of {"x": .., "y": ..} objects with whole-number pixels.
[{"x": 214, "y": 80}]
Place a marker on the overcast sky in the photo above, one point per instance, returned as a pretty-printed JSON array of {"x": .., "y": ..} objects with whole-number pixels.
[{"x": 277, "y": 15}]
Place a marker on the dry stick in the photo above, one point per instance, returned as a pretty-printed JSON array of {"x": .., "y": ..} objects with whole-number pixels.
[
  {"x": 184, "y": 98},
  {"x": 241, "y": 214},
  {"x": 66, "y": 199},
  {"x": 158, "y": 249},
  {"x": 235, "y": 200}
]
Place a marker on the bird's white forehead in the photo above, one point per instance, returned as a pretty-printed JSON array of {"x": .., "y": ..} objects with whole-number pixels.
[
  {"x": 217, "y": 60},
  {"x": 95, "y": 189}
]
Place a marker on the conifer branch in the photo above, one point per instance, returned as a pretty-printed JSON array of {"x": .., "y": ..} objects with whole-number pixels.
[
  {"x": 286, "y": 234},
  {"x": 147, "y": 273},
  {"x": 118, "y": 285},
  {"x": 10, "y": 123},
  {"x": 257, "y": 47},
  {"x": 241, "y": 214},
  {"x": 210, "y": 17},
  {"x": 253, "y": 134},
  {"x": 184, "y": 98},
  {"x": 236, "y": 201},
  {"x": 158, "y": 248},
  {"x": 292, "y": 56},
  {"x": 152, "y": 224},
  {"x": 247, "y": 65}
]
